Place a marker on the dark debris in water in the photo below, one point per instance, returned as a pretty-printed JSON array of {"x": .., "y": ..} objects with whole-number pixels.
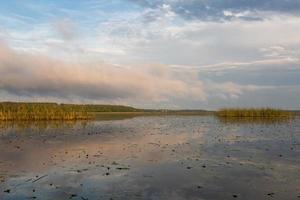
[
  {"x": 72, "y": 196},
  {"x": 271, "y": 194},
  {"x": 7, "y": 191}
]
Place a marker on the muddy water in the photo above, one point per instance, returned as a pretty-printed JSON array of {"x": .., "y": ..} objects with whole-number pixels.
[{"x": 174, "y": 157}]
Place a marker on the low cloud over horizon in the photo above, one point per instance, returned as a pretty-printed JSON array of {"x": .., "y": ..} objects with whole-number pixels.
[{"x": 167, "y": 54}]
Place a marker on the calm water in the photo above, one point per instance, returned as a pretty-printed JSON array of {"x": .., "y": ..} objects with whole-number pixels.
[{"x": 174, "y": 157}]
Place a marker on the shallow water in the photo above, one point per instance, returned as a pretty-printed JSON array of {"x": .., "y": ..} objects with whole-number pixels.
[{"x": 171, "y": 157}]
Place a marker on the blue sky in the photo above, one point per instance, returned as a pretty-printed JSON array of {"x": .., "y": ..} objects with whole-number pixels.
[{"x": 162, "y": 53}]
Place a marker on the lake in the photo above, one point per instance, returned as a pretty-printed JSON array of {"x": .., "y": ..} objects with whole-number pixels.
[{"x": 150, "y": 157}]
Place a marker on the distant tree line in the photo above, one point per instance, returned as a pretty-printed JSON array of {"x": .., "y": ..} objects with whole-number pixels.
[{"x": 108, "y": 108}]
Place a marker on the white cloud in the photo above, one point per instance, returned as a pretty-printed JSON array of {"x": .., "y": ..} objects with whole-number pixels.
[{"x": 177, "y": 41}]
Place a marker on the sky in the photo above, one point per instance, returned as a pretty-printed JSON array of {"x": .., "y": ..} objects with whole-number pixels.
[{"x": 177, "y": 54}]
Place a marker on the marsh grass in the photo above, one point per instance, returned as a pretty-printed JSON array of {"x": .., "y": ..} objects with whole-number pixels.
[
  {"x": 259, "y": 113},
  {"x": 42, "y": 111},
  {"x": 254, "y": 120}
]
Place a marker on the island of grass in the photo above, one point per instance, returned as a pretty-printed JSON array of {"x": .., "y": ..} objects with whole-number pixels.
[{"x": 253, "y": 113}]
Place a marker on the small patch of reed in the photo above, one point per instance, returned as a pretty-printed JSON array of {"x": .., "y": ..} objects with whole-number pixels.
[{"x": 253, "y": 113}]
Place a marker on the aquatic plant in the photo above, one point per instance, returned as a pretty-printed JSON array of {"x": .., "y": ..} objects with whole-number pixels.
[
  {"x": 42, "y": 111},
  {"x": 253, "y": 113}
]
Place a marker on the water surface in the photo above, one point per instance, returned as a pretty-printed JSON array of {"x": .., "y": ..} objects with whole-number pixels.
[{"x": 154, "y": 157}]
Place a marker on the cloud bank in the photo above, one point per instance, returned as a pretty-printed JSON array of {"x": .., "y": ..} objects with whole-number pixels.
[{"x": 41, "y": 77}]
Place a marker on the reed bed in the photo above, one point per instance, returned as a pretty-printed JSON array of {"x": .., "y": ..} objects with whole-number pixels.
[
  {"x": 42, "y": 111},
  {"x": 254, "y": 120},
  {"x": 253, "y": 113}
]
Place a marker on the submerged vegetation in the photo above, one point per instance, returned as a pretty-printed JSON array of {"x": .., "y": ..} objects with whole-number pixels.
[
  {"x": 42, "y": 111},
  {"x": 253, "y": 113}
]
